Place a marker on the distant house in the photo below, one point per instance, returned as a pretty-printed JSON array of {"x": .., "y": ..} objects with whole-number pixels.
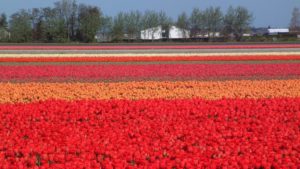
[
  {"x": 212, "y": 34},
  {"x": 157, "y": 33},
  {"x": 206, "y": 35},
  {"x": 178, "y": 33},
  {"x": 154, "y": 33},
  {"x": 276, "y": 31},
  {"x": 247, "y": 34},
  {"x": 103, "y": 37},
  {"x": 131, "y": 36}
]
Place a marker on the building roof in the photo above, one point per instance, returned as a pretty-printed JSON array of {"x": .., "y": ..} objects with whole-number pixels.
[{"x": 278, "y": 30}]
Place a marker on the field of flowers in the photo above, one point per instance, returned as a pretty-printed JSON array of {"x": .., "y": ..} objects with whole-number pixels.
[{"x": 162, "y": 110}]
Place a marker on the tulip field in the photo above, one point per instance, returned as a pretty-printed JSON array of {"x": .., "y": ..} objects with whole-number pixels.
[{"x": 164, "y": 107}]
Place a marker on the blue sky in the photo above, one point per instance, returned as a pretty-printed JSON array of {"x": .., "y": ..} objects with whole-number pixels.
[{"x": 276, "y": 13}]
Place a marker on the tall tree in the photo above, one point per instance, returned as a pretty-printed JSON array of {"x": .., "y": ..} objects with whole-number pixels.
[
  {"x": 73, "y": 20},
  {"x": 4, "y": 34},
  {"x": 213, "y": 21},
  {"x": 133, "y": 24},
  {"x": 243, "y": 21},
  {"x": 55, "y": 30},
  {"x": 89, "y": 22},
  {"x": 151, "y": 22},
  {"x": 183, "y": 23},
  {"x": 38, "y": 25},
  {"x": 295, "y": 20},
  {"x": 150, "y": 19},
  {"x": 165, "y": 22},
  {"x": 237, "y": 21},
  {"x": 3, "y": 21},
  {"x": 20, "y": 26},
  {"x": 66, "y": 10},
  {"x": 118, "y": 29},
  {"x": 228, "y": 22},
  {"x": 196, "y": 22},
  {"x": 105, "y": 30}
]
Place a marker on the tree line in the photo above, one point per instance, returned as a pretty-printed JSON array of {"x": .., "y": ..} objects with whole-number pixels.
[
  {"x": 69, "y": 21},
  {"x": 209, "y": 21},
  {"x": 65, "y": 22}
]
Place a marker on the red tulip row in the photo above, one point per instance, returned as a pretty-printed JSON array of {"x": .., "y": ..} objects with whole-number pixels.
[
  {"x": 150, "y": 71},
  {"x": 194, "y": 133},
  {"x": 254, "y": 46},
  {"x": 151, "y": 58}
]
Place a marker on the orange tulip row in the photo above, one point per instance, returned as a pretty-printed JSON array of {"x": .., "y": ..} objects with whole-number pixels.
[{"x": 211, "y": 90}]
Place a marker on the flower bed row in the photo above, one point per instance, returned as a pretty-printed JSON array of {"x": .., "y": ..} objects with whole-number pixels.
[
  {"x": 89, "y": 58},
  {"x": 146, "y": 72},
  {"x": 258, "y": 46},
  {"x": 31, "y": 92},
  {"x": 151, "y": 134}
]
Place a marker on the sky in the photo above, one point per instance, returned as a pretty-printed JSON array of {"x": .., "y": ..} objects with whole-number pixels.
[{"x": 274, "y": 13}]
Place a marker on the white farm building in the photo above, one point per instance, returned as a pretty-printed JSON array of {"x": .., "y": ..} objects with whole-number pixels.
[
  {"x": 275, "y": 31},
  {"x": 178, "y": 33},
  {"x": 154, "y": 33},
  {"x": 158, "y": 33}
]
